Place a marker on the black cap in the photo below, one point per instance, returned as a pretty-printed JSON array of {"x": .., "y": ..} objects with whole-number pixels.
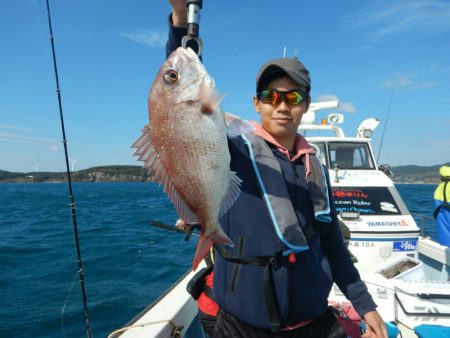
[{"x": 291, "y": 66}]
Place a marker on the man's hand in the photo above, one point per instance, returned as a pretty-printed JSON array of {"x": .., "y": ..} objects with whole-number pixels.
[
  {"x": 375, "y": 327},
  {"x": 180, "y": 224},
  {"x": 179, "y": 12}
]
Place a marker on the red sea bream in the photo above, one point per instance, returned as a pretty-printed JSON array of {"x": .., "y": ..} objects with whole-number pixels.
[{"x": 185, "y": 146}]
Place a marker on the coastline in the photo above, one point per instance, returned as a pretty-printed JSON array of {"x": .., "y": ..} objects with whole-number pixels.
[{"x": 410, "y": 174}]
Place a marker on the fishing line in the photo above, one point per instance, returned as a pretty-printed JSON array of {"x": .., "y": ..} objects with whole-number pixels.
[
  {"x": 64, "y": 306},
  {"x": 42, "y": 39},
  {"x": 69, "y": 180}
]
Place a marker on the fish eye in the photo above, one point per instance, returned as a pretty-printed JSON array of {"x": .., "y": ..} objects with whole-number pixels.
[{"x": 171, "y": 76}]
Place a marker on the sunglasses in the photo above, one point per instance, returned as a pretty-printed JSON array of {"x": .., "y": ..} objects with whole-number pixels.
[{"x": 274, "y": 97}]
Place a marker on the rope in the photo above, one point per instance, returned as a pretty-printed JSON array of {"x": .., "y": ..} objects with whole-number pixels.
[
  {"x": 126, "y": 328},
  {"x": 406, "y": 293}
]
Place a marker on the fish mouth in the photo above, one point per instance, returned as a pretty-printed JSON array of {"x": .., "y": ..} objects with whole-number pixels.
[{"x": 187, "y": 53}]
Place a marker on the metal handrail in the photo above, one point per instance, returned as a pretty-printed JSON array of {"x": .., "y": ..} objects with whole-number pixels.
[{"x": 422, "y": 217}]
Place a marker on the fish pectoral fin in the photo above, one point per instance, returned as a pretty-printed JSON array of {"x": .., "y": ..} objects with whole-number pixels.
[
  {"x": 209, "y": 98},
  {"x": 236, "y": 125},
  {"x": 234, "y": 189}
]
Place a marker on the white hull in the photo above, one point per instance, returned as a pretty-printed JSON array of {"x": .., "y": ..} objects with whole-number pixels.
[{"x": 169, "y": 316}]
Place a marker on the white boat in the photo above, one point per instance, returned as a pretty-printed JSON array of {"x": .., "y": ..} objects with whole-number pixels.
[{"x": 407, "y": 274}]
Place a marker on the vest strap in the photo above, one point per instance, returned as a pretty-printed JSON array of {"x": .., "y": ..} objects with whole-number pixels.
[
  {"x": 270, "y": 264},
  {"x": 208, "y": 291},
  {"x": 270, "y": 297}
]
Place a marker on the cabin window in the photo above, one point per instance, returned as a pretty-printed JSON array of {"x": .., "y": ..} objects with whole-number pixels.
[{"x": 350, "y": 155}]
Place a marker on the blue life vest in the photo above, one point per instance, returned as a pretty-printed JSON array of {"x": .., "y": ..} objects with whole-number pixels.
[
  {"x": 256, "y": 280},
  {"x": 442, "y": 206}
]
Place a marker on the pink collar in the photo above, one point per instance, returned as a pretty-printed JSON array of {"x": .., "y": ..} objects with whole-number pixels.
[{"x": 301, "y": 146}]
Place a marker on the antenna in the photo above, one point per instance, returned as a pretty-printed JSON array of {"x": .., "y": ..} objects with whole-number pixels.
[
  {"x": 295, "y": 53},
  {"x": 37, "y": 164}
]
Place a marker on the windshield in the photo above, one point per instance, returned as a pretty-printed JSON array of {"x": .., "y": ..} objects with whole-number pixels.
[{"x": 350, "y": 155}]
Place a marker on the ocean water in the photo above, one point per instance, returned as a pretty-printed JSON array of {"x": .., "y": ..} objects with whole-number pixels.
[{"x": 127, "y": 263}]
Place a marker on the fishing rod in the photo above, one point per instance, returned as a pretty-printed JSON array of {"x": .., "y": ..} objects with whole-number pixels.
[
  {"x": 193, "y": 25},
  {"x": 69, "y": 180},
  {"x": 188, "y": 230}
]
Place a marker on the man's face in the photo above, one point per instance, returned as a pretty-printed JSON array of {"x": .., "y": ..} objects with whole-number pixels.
[{"x": 282, "y": 120}]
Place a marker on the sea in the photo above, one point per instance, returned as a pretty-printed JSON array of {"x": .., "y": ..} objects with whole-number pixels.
[{"x": 127, "y": 262}]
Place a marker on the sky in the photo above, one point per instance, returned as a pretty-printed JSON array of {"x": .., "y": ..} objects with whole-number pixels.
[{"x": 362, "y": 53}]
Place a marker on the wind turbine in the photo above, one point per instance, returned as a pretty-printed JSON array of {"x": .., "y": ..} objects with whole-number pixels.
[{"x": 72, "y": 163}]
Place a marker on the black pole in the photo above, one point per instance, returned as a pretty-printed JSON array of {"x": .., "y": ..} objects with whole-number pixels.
[{"x": 69, "y": 182}]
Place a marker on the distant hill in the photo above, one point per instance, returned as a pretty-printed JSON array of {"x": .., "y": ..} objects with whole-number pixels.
[
  {"x": 113, "y": 173},
  {"x": 130, "y": 173},
  {"x": 416, "y": 174}
]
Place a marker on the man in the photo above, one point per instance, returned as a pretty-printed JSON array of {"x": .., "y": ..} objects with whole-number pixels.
[
  {"x": 442, "y": 206},
  {"x": 288, "y": 248}
]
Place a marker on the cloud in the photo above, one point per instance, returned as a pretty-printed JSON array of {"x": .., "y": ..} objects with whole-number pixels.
[
  {"x": 440, "y": 69},
  {"x": 26, "y": 139},
  {"x": 7, "y": 126},
  {"x": 440, "y": 143},
  {"x": 327, "y": 97},
  {"x": 407, "y": 81},
  {"x": 388, "y": 17},
  {"x": 145, "y": 37},
  {"x": 346, "y": 107},
  {"x": 54, "y": 148}
]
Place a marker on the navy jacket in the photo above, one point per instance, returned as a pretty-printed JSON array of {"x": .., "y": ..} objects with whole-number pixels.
[{"x": 301, "y": 288}]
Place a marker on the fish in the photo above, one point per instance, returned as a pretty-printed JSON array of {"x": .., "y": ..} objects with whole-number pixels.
[{"x": 185, "y": 147}]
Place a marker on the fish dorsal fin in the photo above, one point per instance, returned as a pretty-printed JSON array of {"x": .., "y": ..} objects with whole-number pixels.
[
  {"x": 147, "y": 153},
  {"x": 237, "y": 125},
  {"x": 234, "y": 189}
]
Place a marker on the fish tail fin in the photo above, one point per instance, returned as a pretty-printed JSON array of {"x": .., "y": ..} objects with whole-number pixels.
[{"x": 206, "y": 242}]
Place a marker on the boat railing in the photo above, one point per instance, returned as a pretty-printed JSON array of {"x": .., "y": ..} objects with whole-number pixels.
[{"x": 424, "y": 219}]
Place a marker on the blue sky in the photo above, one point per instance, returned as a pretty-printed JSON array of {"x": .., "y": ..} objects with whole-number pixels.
[{"x": 109, "y": 51}]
